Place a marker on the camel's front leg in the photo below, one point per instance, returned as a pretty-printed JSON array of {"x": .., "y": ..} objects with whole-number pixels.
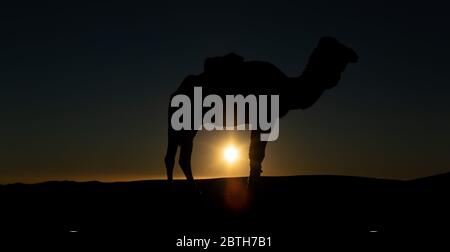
[
  {"x": 256, "y": 154},
  {"x": 186, "y": 145}
]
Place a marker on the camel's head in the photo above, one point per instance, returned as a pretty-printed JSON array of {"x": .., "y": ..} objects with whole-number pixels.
[
  {"x": 339, "y": 49},
  {"x": 328, "y": 61}
]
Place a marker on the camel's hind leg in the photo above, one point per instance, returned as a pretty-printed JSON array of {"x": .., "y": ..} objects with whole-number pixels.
[
  {"x": 256, "y": 154},
  {"x": 186, "y": 145},
  {"x": 169, "y": 159}
]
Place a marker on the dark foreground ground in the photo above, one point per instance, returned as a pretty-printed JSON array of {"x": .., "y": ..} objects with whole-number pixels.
[{"x": 285, "y": 208}]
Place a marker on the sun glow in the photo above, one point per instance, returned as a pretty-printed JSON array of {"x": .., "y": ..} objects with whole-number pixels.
[{"x": 230, "y": 154}]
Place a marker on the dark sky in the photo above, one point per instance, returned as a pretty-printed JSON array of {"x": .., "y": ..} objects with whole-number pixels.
[{"x": 84, "y": 88}]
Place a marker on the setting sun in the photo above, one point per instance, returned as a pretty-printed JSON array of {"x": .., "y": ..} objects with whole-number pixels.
[{"x": 230, "y": 154}]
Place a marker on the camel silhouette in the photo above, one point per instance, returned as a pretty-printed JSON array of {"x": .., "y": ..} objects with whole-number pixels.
[{"x": 231, "y": 75}]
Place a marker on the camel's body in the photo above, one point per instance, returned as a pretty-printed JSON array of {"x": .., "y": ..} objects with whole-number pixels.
[{"x": 231, "y": 75}]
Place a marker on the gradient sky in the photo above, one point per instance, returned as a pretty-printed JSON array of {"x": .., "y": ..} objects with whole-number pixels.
[{"x": 84, "y": 88}]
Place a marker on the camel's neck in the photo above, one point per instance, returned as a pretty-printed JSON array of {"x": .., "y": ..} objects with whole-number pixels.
[{"x": 301, "y": 93}]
